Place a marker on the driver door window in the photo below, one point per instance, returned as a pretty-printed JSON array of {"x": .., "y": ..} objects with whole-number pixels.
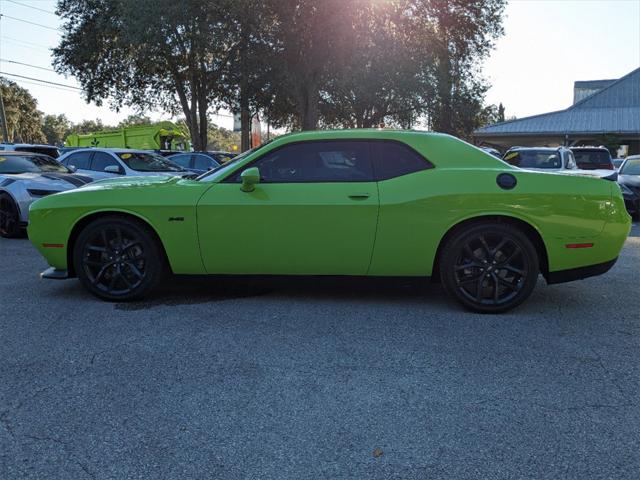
[
  {"x": 79, "y": 160},
  {"x": 316, "y": 162},
  {"x": 102, "y": 160}
]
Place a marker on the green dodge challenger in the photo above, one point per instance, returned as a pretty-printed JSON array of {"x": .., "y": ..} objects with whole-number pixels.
[{"x": 349, "y": 202}]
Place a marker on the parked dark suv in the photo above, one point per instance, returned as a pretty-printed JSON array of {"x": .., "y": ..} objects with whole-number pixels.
[{"x": 593, "y": 158}]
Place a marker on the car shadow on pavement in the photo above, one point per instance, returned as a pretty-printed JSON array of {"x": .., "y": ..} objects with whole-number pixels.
[{"x": 190, "y": 290}]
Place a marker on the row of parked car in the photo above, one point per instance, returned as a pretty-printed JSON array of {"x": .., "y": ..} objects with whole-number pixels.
[
  {"x": 594, "y": 161},
  {"x": 29, "y": 172}
]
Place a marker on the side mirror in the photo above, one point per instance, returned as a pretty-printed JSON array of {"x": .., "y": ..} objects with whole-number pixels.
[
  {"x": 72, "y": 168},
  {"x": 250, "y": 178},
  {"x": 113, "y": 169}
]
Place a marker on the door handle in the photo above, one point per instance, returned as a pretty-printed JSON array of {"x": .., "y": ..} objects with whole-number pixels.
[{"x": 359, "y": 196}]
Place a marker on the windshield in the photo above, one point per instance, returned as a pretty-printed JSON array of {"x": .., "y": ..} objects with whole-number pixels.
[
  {"x": 534, "y": 159},
  {"x": 592, "y": 157},
  {"x": 148, "y": 162},
  {"x": 631, "y": 167},
  {"x": 231, "y": 163},
  {"x": 224, "y": 157},
  {"x": 30, "y": 164}
]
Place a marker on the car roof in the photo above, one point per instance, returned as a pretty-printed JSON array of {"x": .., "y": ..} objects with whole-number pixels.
[
  {"x": 545, "y": 149},
  {"x": 20, "y": 153},
  {"x": 21, "y": 145},
  {"x": 590, "y": 148},
  {"x": 109, "y": 150}
]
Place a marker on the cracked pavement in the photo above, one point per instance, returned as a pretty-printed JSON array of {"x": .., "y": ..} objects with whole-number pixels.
[{"x": 314, "y": 378}]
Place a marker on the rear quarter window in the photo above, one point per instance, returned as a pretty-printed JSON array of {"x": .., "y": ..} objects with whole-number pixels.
[{"x": 395, "y": 159}]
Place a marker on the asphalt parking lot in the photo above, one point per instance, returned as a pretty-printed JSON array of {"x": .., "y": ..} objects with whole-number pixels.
[{"x": 317, "y": 379}]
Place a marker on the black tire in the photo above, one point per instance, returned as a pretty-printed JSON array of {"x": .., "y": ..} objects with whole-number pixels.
[
  {"x": 9, "y": 217},
  {"x": 489, "y": 267},
  {"x": 118, "y": 259}
]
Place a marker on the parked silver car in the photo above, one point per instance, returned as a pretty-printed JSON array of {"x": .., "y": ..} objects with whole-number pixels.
[
  {"x": 100, "y": 163},
  {"x": 26, "y": 177}
]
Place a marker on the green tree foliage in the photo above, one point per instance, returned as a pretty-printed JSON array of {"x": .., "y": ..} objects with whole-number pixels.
[
  {"x": 222, "y": 139},
  {"x": 89, "y": 126},
  {"x": 56, "y": 128},
  {"x": 146, "y": 53},
  {"x": 24, "y": 120},
  {"x": 298, "y": 63},
  {"x": 135, "y": 120},
  {"x": 464, "y": 32},
  {"x": 379, "y": 73},
  {"x": 500, "y": 113}
]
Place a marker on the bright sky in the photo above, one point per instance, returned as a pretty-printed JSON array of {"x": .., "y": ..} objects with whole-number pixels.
[{"x": 548, "y": 44}]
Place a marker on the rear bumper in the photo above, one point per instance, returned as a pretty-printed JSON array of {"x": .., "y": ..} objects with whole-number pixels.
[{"x": 579, "y": 273}]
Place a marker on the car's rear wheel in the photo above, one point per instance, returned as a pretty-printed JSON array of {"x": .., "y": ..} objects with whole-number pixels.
[
  {"x": 489, "y": 267},
  {"x": 9, "y": 218},
  {"x": 118, "y": 259}
]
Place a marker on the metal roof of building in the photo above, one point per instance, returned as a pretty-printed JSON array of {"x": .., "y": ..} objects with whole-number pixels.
[
  {"x": 593, "y": 84},
  {"x": 614, "y": 109}
]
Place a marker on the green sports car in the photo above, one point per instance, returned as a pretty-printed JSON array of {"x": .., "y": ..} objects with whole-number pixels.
[{"x": 349, "y": 202}]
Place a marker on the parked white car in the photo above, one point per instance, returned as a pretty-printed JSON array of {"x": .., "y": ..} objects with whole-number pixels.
[
  {"x": 552, "y": 159},
  {"x": 100, "y": 163}
]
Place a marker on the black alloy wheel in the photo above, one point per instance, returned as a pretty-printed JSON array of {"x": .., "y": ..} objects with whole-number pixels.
[
  {"x": 118, "y": 259},
  {"x": 490, "y": 268},
  {"x": 9, "y": 218}
]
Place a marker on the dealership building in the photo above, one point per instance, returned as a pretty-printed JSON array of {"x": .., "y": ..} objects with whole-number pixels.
[{"x": 604, "y": 112}]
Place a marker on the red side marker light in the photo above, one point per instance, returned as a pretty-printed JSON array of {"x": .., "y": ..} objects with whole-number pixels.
[
  {"x": 53, "y": 245},
  {"x": 579, "y": 245}
]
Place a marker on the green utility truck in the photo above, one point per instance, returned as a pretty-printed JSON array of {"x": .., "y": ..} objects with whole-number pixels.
[{"x": 159, "y": 136}]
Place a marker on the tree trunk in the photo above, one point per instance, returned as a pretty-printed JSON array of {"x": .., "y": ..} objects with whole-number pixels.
[
  {"x": 443, "y": 121},
  {"x": 245, "y": 114},
  {"x": 308, "y": 107}
]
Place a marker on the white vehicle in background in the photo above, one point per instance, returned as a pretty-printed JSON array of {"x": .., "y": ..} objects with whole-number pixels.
[
  {"x": 541, "y": 158},
  {"x": 552, "y": 159},
  {"x": 101, "y": 163}
]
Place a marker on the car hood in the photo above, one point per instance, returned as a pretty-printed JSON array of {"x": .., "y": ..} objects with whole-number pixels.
[
  {"x": 128, "y": 182},
  {"x": 52, "y": 180}
]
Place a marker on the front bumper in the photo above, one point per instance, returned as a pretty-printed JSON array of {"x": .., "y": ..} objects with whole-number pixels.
[{"x": 52, "y": 273}]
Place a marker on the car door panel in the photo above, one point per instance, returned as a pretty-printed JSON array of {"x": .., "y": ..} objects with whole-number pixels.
[
  {"x": 294, "y": 227},
  {"x": 288, "y": 229}
]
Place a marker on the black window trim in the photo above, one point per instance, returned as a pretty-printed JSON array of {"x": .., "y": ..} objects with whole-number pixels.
[{"x": 369, "y": 141}]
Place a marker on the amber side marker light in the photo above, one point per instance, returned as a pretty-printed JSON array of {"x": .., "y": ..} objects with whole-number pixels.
[
  {"x": 53, "y": 245},
  {"x": 579, "y": 245}
]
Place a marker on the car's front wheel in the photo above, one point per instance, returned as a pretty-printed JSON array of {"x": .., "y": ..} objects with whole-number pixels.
[
  {"x": 489, "y": 267},
  {"x": 9, "y": 219},
  {"x": 118, "y": 259}
]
